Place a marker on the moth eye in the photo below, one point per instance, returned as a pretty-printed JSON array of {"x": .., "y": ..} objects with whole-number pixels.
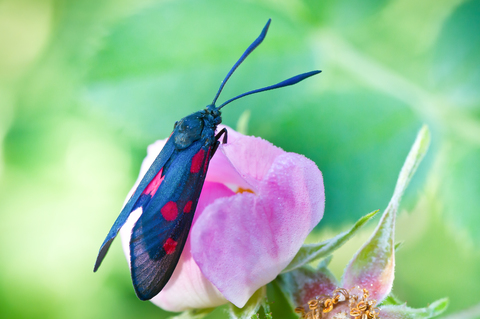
[{"x": 175, "y": 125}]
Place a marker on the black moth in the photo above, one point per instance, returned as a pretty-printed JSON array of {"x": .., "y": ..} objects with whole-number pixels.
[{"x": 169, "y": 191}]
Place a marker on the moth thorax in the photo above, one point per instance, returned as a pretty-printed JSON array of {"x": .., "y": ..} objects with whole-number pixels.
[{"x": 188, "y": 130}]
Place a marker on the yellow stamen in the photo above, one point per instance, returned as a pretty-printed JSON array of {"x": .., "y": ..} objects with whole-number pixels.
[{"x": 360, "y": 306}]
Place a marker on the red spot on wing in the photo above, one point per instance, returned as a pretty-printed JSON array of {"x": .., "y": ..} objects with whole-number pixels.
[
  {"x": 169, "y": 211},
  {"x": 152, "y": 188},
  {"x": 188, "y": 207},
  {"x": 206, "y": 162},
  {"x": 169, "y": 246},
  {"x": 197, "y": 161}
]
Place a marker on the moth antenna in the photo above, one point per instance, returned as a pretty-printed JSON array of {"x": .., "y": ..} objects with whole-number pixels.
[
  {"x": 287, "y": 82},
  {"x": 243, "y": 57}
]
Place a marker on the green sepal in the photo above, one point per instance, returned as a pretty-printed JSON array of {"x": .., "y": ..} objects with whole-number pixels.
[
  {"x": 404, "y": 312},
  {"x": 374, "y": 263},
  {"x": 252, "y": 306},
  {"x": 311, "y": 252},
  {"x": 194, "y": 314}
]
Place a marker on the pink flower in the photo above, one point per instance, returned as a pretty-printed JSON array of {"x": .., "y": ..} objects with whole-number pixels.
[{"x": 257, "y": 206}]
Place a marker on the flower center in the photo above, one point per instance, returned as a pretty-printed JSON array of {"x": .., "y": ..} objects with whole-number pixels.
[
  {"x": 243, "y": 190},
  {"x": 360, "y": 307}
]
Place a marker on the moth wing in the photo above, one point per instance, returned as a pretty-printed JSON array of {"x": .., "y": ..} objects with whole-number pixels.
[
  {"x": 161, "y": 231},
  {"x": 162, "y": 158}
]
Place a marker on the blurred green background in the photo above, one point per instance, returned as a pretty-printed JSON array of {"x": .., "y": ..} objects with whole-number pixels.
[{"x": 86, "y": 85}]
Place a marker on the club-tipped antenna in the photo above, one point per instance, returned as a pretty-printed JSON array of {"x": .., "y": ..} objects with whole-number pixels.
[
  {"x": 243, "y": 57},
  {"x": 287, "y": 82},
  {"x": 256, "y": 43}
]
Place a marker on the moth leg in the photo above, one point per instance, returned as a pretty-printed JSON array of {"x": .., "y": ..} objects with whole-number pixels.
[{"x": 223, "y": 132}]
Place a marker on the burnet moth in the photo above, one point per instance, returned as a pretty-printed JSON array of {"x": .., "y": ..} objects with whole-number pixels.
[{"x": 169, "y": 191}]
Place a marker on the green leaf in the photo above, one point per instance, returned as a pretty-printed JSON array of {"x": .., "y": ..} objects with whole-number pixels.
[
  {"x": 404, "y": 312},
  {"x": 281, "y": 304},
  {"x": 459, "y": 188},
  {"x": 457, "y": 56},
  {"x": 373, "y": 265},
  {"x": 252, "y": 306},
  {"x": 194, "y": 314},
  {"x": 311, "y": 252}
]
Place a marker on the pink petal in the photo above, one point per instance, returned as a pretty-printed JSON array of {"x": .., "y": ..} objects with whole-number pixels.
[
  {"x": 221, "y": 169},
  {"x": 243, "y": 242},
  {"x": 252, "y": 157},
  {"x": 210, "y": 192}
]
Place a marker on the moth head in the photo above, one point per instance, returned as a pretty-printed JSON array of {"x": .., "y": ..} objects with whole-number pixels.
[{"x": 213, "y": 115}]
